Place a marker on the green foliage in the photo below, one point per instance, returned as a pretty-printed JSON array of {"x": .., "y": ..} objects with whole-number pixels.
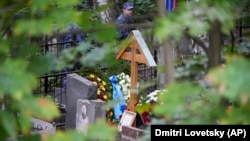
[
  {"x": 22, "y": 63},
  {"x": 141, "y": 6},
  {"x": 220, "y": 98},
  {"x": 236, "y": 88},
  {"x": 106, "y": 59},
  {"x": 197, "y": 17},
  {"x": 144, "y": 6},
  {"x": 92, "y": 134},
  {"x": 224, "y": 102}
]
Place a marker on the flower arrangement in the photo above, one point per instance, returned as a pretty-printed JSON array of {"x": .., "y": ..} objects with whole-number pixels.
[
  {"x": 103, "y": 93},
  {"x": 99, "y": 78},
  {"x": 124, "y": 83},
  {"x": 146, "y": 104},
  {"x": 153, "y": 96}
]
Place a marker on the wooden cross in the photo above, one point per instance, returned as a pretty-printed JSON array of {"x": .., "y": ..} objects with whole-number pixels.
[{"x": 136, "y": 51}]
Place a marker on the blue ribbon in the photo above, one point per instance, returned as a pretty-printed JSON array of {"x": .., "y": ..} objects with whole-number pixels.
[
  {"x": 169, "y": 5},
  {"x": 117, "y": 96}
]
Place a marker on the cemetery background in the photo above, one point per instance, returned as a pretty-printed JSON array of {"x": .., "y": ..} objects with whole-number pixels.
[
  {"x": 60, "y": 86},
  {"x": 53, "y": 84},
  {"x": 225, "y": 79}
]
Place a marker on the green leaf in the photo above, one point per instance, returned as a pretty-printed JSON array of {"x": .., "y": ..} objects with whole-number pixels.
[
  {"x": 37, "y": 5},
  {"x": 20, "y": 82},
  {"x": 32, "y": 137},
  {"x": 143, "y": 108},
  {"x": 41, "y": 64},
  {"x": 9, "y": 126},
  {"x": 67, "y": 3},
  {"x": 103, "y": 32},
  {"x": 24, "y": 121},
  {"x": 34, "y": 27},
  {"x": 229, "y": 78},
  {"x": 94, "y": 131},
  {"x": 174, "y": 102},
  {"x": 76, "y": 136},
  {"x": 60, "y": 136},
  {"x": 85, "y": 21},
  {"x": 49, "y": 23},
  {"x": 91, "y": 58},
  {"x": 68, "y": 135},
  {"x": 41, "y": 107},
  {"x": 4, "y": 46},
  {"x": 167, "y": 28}
]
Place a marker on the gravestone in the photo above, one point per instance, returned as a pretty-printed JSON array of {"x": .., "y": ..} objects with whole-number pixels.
[
  {"x": 88, "y": 112},
  {"x": 77, "y": 88},
  {"x": 42, "y": 127},
  {"x": 130, "y": 133}
]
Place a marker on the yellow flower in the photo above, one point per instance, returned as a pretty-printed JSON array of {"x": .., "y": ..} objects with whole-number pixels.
[
  {"x": 92, "y": 76},
  {"x": 104, "y": 83},
  {"x": 102, "y": 88},
  {"x": 105, "y": 97},
  {"x": 95, "y": 83},
  {"x": 98, "y": 92},
  {"x": 99, "y": 79}
]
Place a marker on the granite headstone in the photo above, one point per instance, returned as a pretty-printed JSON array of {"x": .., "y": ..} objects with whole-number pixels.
[
  {"x": 88, "y": 112},
  {"x": 77, "y": 88}
]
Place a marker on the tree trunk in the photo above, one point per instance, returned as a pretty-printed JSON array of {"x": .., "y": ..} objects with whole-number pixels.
[
  {"x": 106, "y": 14},
  {"x": 215, "y": 43},
  {"x": 166, "y": 75}
]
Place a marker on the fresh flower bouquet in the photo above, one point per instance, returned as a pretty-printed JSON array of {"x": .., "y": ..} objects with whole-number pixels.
[
  {"x": 146, "y": 104},
  {"x": 124, "y": 83},
  {"x": 103, "y": 93},
  {"x": 153, "y": 96},
  {"x": 103, "y": 87}
]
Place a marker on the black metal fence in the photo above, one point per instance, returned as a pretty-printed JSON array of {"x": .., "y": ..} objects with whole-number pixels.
[{"x": 48, "y": 82}]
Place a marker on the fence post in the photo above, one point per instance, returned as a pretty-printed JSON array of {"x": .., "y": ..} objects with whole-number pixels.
[{"x": 46, "y": 81}]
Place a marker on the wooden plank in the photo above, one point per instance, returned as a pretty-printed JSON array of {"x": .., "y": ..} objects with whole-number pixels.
[
  {"x": 133, "y": 100},
  {"x": 125, "y": 45},
  {"x": 139, "y": 58}
]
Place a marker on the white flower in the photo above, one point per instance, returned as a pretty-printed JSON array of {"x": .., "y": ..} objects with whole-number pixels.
[
  {"x": 128, "y": 85},
  {"x": 127, "y": 78},
  {"x": 119, "y": 76},
  {"x": 121, "y": 82},
  {"x": 124, "y": 89},
  {"x": 124, "y": 84},
  {"x": 129, "y": 81},
  {"x": 126, "y": 97},
  {"x": 122, "y": 74},
  {"x": 128, "y": 92},
  {"x": 153, "y": 96}
]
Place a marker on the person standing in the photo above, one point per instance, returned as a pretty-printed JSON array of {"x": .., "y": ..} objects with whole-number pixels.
[{"x": 125, "y": 19}]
